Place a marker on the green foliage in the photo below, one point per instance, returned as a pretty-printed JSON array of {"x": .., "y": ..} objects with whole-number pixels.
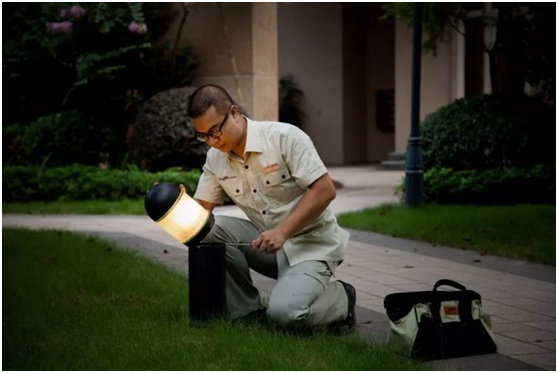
[
  {"x": 79, "y": 182},
  {"x": 523, "y": 46},
  {"x": 91, "y": 66},
  {"x": 94, "y": 64},
  {"x": 163, "y": 137},
  {"x": 12, "y": 136},
  {"x": 525, "y": 232},
  {"x": 66, "y": 138},
  {"x": 487, "y": 132},
  {"x": 136, "y": 10},
  {"x": 437, "y": 20},
  {"x": 506, "y": 185},
  {"x": 291, "y": 98}
]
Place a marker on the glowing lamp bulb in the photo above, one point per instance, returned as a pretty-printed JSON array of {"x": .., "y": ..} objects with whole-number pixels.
[{"x": 177, "y": 213}]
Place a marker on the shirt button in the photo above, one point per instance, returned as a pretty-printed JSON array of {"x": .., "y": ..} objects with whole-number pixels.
[
  {"x": 238, "y": 190},
  {"x": 267, "y": 182},
  {"x": 246, "y": 167},
  {"x": 254, "y": 190},
  {"x": 263, "y": 212},
  {"x": 283, "y": 176}
]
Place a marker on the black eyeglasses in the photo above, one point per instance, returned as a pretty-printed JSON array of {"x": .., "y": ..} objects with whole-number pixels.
[{"x": 215, "y": 133}]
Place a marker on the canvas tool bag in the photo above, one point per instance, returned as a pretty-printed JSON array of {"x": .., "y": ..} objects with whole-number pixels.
[{"x": 440, "y": 324}]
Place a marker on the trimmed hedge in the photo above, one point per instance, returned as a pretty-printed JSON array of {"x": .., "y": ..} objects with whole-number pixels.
[
  {"x": 60, "y": 139},
  {"x": 489, "y": 132},
  {"x": 79, "y": 182},
  {"x": 506, "y": 185}
]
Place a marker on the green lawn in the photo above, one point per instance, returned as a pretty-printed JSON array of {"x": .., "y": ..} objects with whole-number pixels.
[
  {"x": 526, "y": 232},
  {"x": 126, "y": 207},
  {"x": 75, "y": 303}
]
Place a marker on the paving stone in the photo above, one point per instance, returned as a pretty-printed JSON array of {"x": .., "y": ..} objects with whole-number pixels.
[
  {"x": 361, "y": 296},
  {"x": 379, "y": 290},
  {"x": 531, "y": 305},
  {"x": 510, "y": 346},
  {"x": 525, "y": 316},
  {"x": 549, "y": 345},
  {"x": 531, "y": 336},
  {"x": 540, "y": 360},
  {"x": 543, "y": 325},
  {"x": 513, "y": 327},
  {"x": 413, "y": 287},
  {"x": 375, "y": 304},
  {"x": 498, "y": 320},
  {"x": 487, "y": 362}
]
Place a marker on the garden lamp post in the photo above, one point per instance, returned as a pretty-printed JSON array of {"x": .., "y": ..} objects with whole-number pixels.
[
  {"x": 187, "y": 221},
  {"x": 413, "y": 172}
]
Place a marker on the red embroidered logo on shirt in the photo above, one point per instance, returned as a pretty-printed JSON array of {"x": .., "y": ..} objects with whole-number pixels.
[{"x": 271, "y": 167}]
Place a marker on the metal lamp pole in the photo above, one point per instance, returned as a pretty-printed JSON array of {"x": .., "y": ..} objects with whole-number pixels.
[{"x": 413, "y": 172}]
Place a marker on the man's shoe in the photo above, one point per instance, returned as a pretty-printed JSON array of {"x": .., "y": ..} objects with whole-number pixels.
[{"x": 349, "y": 324}]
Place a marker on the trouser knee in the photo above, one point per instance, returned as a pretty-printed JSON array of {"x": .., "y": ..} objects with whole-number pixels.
[
  {"x": 294, "y": 312},
  {"x": 219, "y": 232}
]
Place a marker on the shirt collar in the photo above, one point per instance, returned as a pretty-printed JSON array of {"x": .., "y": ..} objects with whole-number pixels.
[{"x": 253, "y": 140}]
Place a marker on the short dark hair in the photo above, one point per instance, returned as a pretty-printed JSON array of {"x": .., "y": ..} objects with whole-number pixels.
[{"x": 207, "y": 96}]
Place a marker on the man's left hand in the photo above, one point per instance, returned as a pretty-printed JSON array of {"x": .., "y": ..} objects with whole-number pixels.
[{"x": 269, "y": 241}]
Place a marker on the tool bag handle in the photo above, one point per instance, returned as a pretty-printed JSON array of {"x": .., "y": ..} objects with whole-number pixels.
[
  {"x": 448, "y": 283},
  {"x": 464, "y": 305}
]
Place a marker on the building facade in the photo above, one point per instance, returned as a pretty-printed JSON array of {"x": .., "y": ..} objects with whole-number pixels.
[{"x": 354, "y": 69}]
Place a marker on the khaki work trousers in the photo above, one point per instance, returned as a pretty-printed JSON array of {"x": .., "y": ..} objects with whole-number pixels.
[{"x": 304, "y": 295}]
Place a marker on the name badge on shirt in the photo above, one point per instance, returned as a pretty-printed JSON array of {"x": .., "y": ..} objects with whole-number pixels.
[
  {"x": 271, "y": 167},
  {"x": 225, "y": 178}
]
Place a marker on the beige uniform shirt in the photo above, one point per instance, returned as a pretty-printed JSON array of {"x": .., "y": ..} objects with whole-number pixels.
[{"x": 280, "y": 162}]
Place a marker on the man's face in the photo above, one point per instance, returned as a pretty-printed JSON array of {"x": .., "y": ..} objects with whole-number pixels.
[{"x": 218, "y": 130}]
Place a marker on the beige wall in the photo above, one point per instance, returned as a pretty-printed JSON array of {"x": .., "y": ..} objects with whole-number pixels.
[
  {"x": 380, "y": 52},
  {"x": 252, "y": 29},
  {"x": 310, "y": 48},
  {"x": 340, "y": 55},
  {"x": 354, "y": 83},
  {"x": 439, "y": 85}
]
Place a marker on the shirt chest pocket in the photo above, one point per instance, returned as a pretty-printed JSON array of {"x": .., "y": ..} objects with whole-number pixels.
[
  {"x": 280, "y": 186},
  {"x": 234, "y": 189}
]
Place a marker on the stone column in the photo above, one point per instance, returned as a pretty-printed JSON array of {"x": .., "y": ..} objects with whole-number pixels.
[{"x": 239, "y": 54}]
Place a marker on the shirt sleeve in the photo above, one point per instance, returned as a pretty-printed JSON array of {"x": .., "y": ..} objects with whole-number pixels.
[
  {"x": 209, "y": 189},
  {"x": 301, "y": 157}
]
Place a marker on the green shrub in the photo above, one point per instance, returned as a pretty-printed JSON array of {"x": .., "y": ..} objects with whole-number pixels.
[
  {"x": 66, "y": 138},
  {"x": 12, "y": 136},
  {"x": 19, "y": 183},
  {"x": 162, "y": 136},
  {"x": 506, "y": 185},
  {"x": 487, "y": 132},
  {"x": 79, "y": 182}
]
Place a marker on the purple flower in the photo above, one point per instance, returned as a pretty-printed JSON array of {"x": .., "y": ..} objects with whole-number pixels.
[
  {"x": 188, "y": 6},
  {"x": 133, "y": 27},
  {"x": 77, "y": 11},
  {"x": 66, "y": 27},
  {"x": 64, "y": 13},
  {"x": 59, "y": 27},
  {"x": 137, "y": 28}
]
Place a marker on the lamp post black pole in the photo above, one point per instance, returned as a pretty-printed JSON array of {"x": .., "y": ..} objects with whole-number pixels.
[{"x": 413, "y": 172}]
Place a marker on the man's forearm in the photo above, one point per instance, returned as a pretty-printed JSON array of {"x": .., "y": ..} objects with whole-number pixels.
[{"x": 312, "y": 205}]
